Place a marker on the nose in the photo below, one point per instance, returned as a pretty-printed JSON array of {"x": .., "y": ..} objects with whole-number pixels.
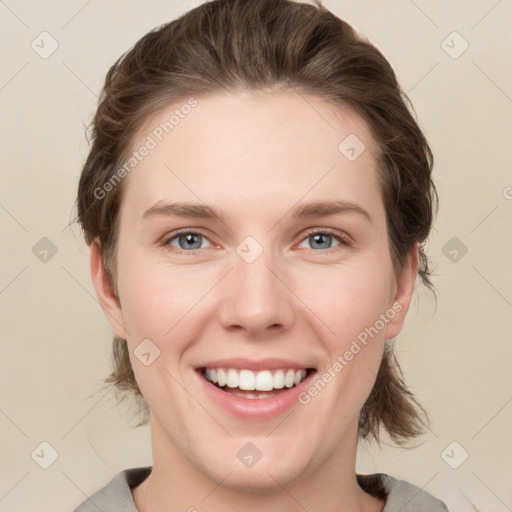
[{"x": 257, "y": 298}]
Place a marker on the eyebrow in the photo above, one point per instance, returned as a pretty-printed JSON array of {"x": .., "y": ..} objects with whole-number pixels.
[{"x": 301, "y": 211}]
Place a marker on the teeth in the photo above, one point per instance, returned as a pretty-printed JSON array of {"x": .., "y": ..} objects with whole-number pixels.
[
  {"x": 289, "y": 378},
  {"x": 264, "y": 381},
  {"x": 232, "y": 378},
  {"x": 247, "y": 380},
  {"x": 221, "y": 378},
  {"x": 253, "y": 396},
  {"x": 279, "y": 379}
]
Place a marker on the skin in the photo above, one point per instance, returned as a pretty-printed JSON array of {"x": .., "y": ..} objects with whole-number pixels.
[{"x": 255, "y": 156}]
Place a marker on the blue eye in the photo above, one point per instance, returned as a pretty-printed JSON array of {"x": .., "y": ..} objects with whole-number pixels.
[
  {"x": 320, "y": 240},
  {"x": 187, "y": 240},
  {"x": 323, "y": 240}
]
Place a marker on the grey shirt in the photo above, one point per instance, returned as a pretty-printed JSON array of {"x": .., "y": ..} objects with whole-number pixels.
[{"x": 400, "y": 495}]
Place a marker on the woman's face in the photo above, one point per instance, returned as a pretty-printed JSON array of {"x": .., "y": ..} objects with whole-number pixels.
[{"x": 281, "y": 268}]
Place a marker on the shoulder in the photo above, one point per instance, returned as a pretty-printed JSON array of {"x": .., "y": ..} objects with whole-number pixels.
[
  {"x": 400, "y": 495},
  {"x": 116, "y": 496}
]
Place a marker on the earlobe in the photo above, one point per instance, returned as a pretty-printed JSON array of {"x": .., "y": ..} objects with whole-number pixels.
[
  {"x": 105, "y": 291},
  {"x": 404, "y": 291}
]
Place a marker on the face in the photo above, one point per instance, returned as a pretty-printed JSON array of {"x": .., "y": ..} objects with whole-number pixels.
[{"x": 279, "y": 276}]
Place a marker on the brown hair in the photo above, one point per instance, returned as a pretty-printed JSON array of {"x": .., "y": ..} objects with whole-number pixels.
[{"x": 274, "y": 45}]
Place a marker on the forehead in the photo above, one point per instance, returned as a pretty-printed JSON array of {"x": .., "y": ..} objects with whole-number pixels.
[{"x": 261, "y": 147}]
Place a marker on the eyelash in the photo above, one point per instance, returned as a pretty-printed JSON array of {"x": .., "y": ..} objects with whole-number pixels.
[{"x": 344, "y": 240}]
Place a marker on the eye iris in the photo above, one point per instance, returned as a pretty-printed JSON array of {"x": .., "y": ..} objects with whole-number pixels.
[
  {"x": 190, "y": 240},
  {"x": 319, "y": 237}
]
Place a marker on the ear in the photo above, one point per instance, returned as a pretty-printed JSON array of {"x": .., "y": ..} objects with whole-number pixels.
[
  {"x": 404, "y": 286},
  {"x": 105, "y": 291}
]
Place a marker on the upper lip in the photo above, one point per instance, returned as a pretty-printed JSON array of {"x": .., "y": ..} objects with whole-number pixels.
[{"x": 253, "y": 364}]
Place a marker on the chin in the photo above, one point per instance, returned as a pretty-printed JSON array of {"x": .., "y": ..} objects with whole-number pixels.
[{"x": 268, "y": 474}]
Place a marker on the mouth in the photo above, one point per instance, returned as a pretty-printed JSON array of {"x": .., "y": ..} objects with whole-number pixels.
[{"x": 255, "y": 385}]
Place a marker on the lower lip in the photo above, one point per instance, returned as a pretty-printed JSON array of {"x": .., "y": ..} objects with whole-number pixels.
[{"x": 258, "y": 408}]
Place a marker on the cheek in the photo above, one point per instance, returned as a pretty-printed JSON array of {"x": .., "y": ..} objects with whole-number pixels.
[
  {"x": 348, "y": 301},
  {"x": 157, "y": 299},
  {"x": 350, "y": 304},
  {"x": 160, "y": 305},
  {"x": 162, "y": 300}
]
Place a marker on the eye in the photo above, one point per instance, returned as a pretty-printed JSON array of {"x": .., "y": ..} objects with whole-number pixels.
[
  {"x": 322, "y": 239},
  {"x": 186, "y": 240},
  {"x": 190, "y": 241}
]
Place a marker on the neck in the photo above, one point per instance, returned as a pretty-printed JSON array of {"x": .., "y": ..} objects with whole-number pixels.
[{"x": 176, "y": 484}]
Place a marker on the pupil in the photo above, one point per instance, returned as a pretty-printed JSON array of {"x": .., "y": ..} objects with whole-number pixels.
[
  {"x": 190, "y": 241},
  {"x": 319, "y": 236}
]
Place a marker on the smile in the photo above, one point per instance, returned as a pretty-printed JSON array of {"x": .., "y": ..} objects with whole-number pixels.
[
  {"x": 250, "y": 384},
  {"x": 254, "y": 390}
]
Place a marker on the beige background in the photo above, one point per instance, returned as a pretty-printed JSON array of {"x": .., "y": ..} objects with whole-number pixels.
[{"x": 56, "y": 342}]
